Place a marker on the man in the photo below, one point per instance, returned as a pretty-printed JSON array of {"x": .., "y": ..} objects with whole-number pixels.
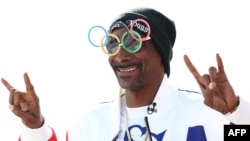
[{"x": 148, "y": 106}]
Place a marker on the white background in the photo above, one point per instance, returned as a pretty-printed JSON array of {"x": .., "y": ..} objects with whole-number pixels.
[{"x": 49, "y": 40}]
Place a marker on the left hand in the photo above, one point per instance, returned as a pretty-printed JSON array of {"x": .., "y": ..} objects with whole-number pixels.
[
  {"x": 216, "y": 89},
  {"x": 25, "y": 104}
]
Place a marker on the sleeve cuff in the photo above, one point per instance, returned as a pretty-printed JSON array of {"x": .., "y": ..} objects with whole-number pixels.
[
  {"x": 43, "y": 133},
  {"x": 242, "y": 114}
]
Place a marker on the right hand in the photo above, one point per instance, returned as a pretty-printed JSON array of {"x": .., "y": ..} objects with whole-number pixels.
[
  {"x": 25, "y": 104},
  {"x": 218, "y": 95}
]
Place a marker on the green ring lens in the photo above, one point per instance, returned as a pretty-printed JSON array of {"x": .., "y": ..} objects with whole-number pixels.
[{"x": 137, "y": 47}]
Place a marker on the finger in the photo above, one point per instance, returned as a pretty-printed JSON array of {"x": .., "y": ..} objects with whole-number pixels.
[
  {"x": 206, "y": 91},
  {"x": 220, "y": 105},
  {"x": 17, "y": 98},
  {"x": 212, "y": 73},
  {"x": 205, "y": 79},
  {"x": 192, "y": 69},
  {"x": 212, "y": 85},
  {"x": 11, "y": 96},
  {"x": 29, "y": 86},
  {"x": 11, "y": 107},
  {"x": 24, "y": 107},
  {"x": 18, "y": 112},
  {"x": 6, "y": 84},
  {"x": 220, "y": 64},
  {"x": 29, "y": 118},
  {"x": 208, "y": 98}
]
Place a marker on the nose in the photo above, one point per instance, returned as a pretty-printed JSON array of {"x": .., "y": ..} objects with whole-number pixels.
[{"x": 122, "y": 56}]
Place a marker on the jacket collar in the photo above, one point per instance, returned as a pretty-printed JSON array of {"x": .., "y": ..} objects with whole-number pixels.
[{"x": 164, "y": 99}]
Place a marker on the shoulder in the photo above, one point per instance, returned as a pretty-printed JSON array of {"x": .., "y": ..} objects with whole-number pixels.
[
  {"x": 190, "y": 95},
  {"x": 192, "y": 103},
  {"x": 100, "y": 109},
  {"x": 192, "y": 100},
  {"x": 93, "y": 116}
]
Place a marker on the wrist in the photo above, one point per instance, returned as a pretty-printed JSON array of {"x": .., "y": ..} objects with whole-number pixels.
[
  {"x": 35, "y": 123},
  {"x": 235, "y": 106}
]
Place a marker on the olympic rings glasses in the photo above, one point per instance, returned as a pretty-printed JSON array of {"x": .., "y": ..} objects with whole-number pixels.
[{"x": 131, "y": 42}]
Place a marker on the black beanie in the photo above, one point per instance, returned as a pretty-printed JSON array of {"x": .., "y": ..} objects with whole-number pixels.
[{"x": 163, "y": 32}]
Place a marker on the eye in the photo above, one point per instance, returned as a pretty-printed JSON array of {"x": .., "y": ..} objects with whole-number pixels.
[
  {"x": 111, "y": 48},
  {"x": 112, "y": 45}
]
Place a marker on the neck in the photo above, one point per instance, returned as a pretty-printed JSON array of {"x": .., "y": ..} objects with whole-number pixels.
[{"x": 142, "y": 96}]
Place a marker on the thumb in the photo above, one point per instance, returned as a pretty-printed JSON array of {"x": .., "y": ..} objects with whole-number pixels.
[{"x": 17, "y": 111}]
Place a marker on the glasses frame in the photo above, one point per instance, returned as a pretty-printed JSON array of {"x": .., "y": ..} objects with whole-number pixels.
[{"x": 121, "y": 43}]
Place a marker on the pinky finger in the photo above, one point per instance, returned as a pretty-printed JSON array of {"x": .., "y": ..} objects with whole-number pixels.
[{"x": 6, "y": 84}]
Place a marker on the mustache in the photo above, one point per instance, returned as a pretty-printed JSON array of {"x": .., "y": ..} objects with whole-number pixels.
[{"x": 116, "y": 66}]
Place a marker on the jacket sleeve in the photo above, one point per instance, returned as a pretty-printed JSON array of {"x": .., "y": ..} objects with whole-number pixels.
[
  {"x": 44, "y": 133},
  {"x": 242, "y": 114}
]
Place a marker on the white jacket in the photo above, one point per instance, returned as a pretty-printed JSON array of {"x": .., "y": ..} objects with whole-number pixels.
[{"x": 180, "y": 114}]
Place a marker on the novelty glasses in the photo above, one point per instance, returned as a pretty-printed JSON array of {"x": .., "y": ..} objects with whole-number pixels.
[{"x": 131, "y": 40}]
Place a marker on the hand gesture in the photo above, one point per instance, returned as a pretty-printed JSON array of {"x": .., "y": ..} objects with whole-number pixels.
[
  {"x": 215, "y": 87},
  {"x": 25, "y": 104}
]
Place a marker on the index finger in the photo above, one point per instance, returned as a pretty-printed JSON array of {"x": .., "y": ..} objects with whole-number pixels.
[
  {"x": 192, "y": 69},
  {"x": 6, "y": 84},
  {"x": 220, "y": 63},
  {"x": 29, "y": 86}
]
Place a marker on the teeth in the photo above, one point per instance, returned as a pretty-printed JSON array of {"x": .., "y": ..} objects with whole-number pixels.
[{"x": 127, "y": 69}]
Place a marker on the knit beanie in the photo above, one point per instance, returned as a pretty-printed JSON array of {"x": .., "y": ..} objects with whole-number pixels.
[{"x": 162, "y": 30}]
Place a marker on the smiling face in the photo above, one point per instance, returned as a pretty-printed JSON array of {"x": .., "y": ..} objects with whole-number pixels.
[{"x": 137, "y": 70}]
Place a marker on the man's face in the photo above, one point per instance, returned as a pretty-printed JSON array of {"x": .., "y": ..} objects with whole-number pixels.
[{"x": 136, "y": 70}]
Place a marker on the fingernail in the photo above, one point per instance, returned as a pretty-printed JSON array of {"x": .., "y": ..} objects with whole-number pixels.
[
  {"x": 11, "y": 107},
  {"x": 212, "y": 85}
]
